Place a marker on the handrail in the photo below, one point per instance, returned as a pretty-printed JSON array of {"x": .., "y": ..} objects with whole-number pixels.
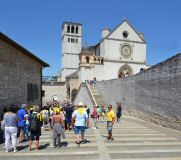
[{"x": 91, "y": 93}]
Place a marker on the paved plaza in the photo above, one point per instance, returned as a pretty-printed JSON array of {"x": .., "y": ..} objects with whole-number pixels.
[{"x": 134, "y": 140}]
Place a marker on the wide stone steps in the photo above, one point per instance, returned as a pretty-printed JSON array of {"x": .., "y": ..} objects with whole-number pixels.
[
  {"x": 97, "y": 96},
  {"x": 133, "y": 140}
]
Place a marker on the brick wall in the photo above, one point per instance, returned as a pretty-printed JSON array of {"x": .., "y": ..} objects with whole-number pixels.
[
  {"x": 16, "y": 71},
  {"x": 153, "y": 95}
]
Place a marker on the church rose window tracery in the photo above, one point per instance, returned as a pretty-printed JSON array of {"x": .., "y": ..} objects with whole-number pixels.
[{"x": 126, "y": 50}]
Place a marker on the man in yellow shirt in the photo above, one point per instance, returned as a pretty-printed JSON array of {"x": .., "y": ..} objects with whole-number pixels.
[{"x": 110, "y": 121}]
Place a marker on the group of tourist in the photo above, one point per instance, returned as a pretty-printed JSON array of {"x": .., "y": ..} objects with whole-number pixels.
[
  {"x": 28, "y": 121},
  {"x": 91, "y": 82}
]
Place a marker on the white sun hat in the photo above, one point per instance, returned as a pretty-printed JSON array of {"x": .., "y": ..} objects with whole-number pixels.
[{"x": 80, "y": 104}]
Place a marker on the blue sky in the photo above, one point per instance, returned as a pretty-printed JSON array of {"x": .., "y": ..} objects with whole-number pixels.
[{"x": 36, "y": 24}]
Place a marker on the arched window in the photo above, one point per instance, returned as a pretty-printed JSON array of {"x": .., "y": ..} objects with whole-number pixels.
[
  {"x": 72, "y": 29},
  {"x": 68, "y": 29},
  {"x": 102, "y": 61},
  {"x": 87, "y": 59},
  {"x": 77, "y": 30}
]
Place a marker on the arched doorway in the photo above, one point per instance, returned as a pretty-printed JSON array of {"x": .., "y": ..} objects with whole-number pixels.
[
  {"x": 55, "y": 98},
  {"x": 73, "y": 94},
  {"x": 125, "y": 70}
]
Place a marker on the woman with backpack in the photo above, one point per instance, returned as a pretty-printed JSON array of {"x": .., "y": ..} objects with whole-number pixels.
[{"x": 35, "y": 120}]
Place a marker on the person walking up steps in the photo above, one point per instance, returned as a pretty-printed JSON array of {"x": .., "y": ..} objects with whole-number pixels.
[
  {"x": 119, "y": 111},
  {"x": 21, "y": 122},
  {"x": 99, "y": 114},
  {"x": 95, "y": 117},
  {"x": 58, "y": 128},
  {"x": 45, "y": 115},
  {"x": 35, "y": 120},
  {"x": 68, "y": 116},
  {"x": 10, "y": 121},
  {"x": 81, "y": 120},
  {"x": 110, "y": 122},
  {"x": 50, "y": 116}
]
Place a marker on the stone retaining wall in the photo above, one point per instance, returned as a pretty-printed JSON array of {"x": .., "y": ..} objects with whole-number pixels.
[{"x": 153, "y": 95}]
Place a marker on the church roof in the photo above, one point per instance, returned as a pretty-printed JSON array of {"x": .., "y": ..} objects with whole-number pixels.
[
  {"x": 22, "y": 49},
  {"x": 125, "y": 20},
  {"x": 73, "y": 75},
  {"x": 88, "y": 49}
]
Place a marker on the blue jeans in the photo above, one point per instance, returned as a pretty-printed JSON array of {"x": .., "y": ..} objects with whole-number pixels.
[
  {"x": 50, "y": 121},
  {"x": 27, "y": 130}
]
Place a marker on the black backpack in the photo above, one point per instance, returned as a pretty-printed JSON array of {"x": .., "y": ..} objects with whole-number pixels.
[{"x": 34, "y": 122}]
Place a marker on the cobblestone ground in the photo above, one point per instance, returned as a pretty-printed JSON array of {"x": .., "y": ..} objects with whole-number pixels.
[{"x": 134, "y": 140}]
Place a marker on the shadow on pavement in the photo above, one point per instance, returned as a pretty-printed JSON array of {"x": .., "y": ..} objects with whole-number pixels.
[
  {"x": 19, "y": 148},
  {"x": 64, "y": 144},
  {"x": 44, "y": 146}
]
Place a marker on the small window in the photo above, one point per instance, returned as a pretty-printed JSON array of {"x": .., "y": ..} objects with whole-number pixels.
[
  {"x": 32, "y": 92},
  {"x": 125, "y": 34},
  {"x": 77, "y": 29},
  {"x": 76, "y": 40},
  {"x": 68, "y": 29},
  {"x": 87, "y": 59},
  {"x": 68, "y": 39},
  {"x": 72, "y": 29},
  {"x": 72, "y": 40}
]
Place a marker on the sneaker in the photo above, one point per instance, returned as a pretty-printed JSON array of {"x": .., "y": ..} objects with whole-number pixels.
[
  {"x": 112, "y": 139},
  {"x": 37, "y": 148},
  {"x": 59, "y": 146},
  {"x": 7, "y": 151},
  {"x": 15, "y": 150},
  {"x": 106, "y": 141},
  {"x": 83, "y": 142},
  {"x": 94, "y": 127}
]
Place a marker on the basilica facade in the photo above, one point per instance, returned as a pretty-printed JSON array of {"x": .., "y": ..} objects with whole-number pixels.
[{"x": 120, "y": 52}]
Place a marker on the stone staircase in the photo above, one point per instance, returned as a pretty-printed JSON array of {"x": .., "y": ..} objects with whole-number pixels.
[
  {"x": 134, "y": 139},
  {"x": 96, "y": 95}
]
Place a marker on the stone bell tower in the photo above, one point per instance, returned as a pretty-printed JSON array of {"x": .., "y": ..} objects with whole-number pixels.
[{"x": 71, "y": 47}]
